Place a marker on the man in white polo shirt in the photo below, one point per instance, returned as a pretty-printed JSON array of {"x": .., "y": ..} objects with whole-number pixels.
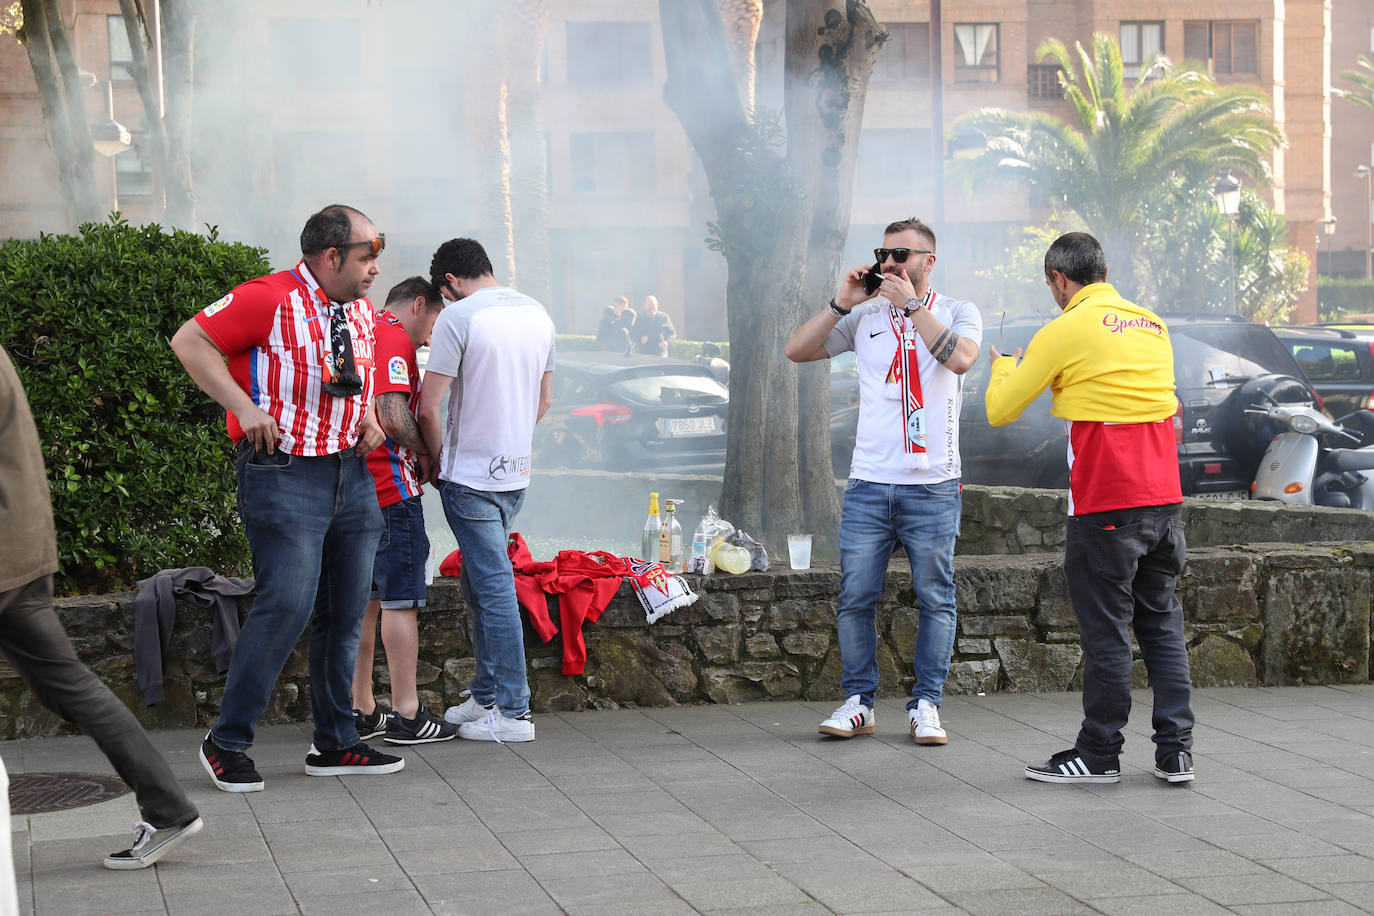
[{"x": 492, "y": 351}]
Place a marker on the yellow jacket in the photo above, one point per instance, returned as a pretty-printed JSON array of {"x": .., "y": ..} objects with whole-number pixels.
[{"x": 1105, "y": 359}]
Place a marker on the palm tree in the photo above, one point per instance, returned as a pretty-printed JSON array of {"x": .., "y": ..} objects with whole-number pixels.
[
  {"x": 1124, "y": 146},
  {"x": 1363, "y": 77}
]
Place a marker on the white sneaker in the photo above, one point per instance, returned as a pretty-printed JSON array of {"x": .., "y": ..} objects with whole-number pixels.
[
  {"x": 494, "y": 726},
  {"x": 925, "y": 723},
  {"x": 853, "y": 718},
  {"x": 469, "y": 711}
]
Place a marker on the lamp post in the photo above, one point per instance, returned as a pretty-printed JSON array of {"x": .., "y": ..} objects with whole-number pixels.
[
  {"x": 110, "y": 138},
  {"x": 1227, "y": 193},
  {"x": 1363, "y": 171}
]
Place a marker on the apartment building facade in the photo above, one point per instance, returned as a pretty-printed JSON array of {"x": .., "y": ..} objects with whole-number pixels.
[{"x": 305, "y": 102}]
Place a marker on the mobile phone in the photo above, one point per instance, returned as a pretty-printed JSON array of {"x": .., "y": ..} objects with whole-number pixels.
[{"x": 872, "y": 280}]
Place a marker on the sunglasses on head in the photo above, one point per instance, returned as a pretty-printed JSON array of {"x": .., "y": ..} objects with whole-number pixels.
[
  {"x": 899, "y": 255},
  {"x": 376, "y": 244}
]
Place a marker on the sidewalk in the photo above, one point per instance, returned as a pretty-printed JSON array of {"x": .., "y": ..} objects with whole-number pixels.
[{"x": 747, "y": 809}]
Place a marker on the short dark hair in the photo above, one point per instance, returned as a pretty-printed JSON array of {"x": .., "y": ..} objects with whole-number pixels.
[
  {"x": 410, "y": 287},
  {"x": 1079, "y": 257},
  {"x": 912, "y": 222},
  {"x": 466, "y": 259},
  {"x": 332, "y": 227}
]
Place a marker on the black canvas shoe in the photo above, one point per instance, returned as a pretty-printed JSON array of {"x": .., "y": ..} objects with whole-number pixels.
[
  {"x": 1176, "y": 767},
  {"x": 356, "y": 759},
  {"x": 1069, "y": 766},
  {"x": 423, "y": 729},
  {"x": 370, "y": 726},
  {"x": 151, "y": 844},
  {"x": 231, "y": 771}
]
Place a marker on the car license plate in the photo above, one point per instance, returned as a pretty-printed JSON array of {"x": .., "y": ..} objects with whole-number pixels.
[
  {"x": 692, "y": 426},
  {"x": 1223, "y": 494}
]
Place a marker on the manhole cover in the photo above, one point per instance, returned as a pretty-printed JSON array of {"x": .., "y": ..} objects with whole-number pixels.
[{"x": 37, "y": 793}]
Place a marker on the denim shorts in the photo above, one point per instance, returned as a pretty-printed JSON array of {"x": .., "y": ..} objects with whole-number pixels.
[{"x": 398, "y": 573}]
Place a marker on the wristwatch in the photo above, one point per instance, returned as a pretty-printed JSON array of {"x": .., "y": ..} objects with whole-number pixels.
[
  {"x": 913, "y": 305},
  {"x": 836, "y": 310}
]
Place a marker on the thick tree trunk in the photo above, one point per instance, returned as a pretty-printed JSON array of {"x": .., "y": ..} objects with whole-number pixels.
[
  {"x": 781, "y": 238},
  {"x": 528, "y": 166},
  {"x": 178, "y": 78},
  {"x": 828, "y": 64},
  {"x": 64, "y": 112}
]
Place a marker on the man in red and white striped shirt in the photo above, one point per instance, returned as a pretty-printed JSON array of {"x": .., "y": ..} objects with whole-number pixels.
[{"x": 298, "y": 387}]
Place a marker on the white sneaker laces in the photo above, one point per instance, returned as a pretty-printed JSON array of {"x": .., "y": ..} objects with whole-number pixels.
[
  {"x": 850, "y": 707},
  {"x": 143, "y": 832},
  {"x": 927, "y": 717},
  {"x": 492, "y": 723}
]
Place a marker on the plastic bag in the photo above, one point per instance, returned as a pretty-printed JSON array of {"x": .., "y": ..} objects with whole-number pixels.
[{"x": 758, "y": 554}]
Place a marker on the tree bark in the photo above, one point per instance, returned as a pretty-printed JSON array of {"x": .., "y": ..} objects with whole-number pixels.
[
  {"x": 778, "y": 476},
  {"x": 64, "y": 112},
  {"x": 829, "y": 61},
  {"x": 490, "y": 122}
]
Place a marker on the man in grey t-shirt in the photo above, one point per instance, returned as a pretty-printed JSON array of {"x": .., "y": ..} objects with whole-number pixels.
[{"x": 492, "y": 352}]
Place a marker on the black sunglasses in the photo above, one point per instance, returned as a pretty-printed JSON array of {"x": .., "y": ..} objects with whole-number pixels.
[
  {"x": 376, "y": 244},
  {"x": 899, "y": 255}
]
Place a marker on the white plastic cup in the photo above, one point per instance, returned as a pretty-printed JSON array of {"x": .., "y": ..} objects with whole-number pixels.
[{"x": 799, "y": 550}]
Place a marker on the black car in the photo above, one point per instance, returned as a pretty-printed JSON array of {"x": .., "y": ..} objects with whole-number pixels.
[
  {"x": 1221, "y": 365},
  {"x": 632, "y": 412},
  {"x": 1338, "y": 361}
]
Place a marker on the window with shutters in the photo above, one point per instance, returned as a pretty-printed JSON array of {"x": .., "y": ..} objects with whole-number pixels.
[
  {"x": 1138, "y": 41},
  {"x": 1230, "y": 48},
  {"x": 905, "y": 57},
  {"x": 975, "y": 52}
]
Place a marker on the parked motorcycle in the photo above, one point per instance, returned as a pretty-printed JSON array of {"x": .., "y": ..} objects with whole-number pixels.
[{"x": 1299, "y": 469}]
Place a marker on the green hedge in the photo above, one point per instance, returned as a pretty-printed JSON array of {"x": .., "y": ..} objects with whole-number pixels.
[
  {"x": 677, "y": 349},
  {"x": 138, "y": 463},
  {"x": 1338, "y": 297}
]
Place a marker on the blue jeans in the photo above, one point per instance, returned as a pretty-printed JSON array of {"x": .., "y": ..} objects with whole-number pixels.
[
  {"x": 481, "y": 522},
  {"x": 313, "y": 525},
  {"x": 877, "y": 517}
]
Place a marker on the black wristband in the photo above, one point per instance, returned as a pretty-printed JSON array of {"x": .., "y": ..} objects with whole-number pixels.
[{"x": 836, "y": 310}]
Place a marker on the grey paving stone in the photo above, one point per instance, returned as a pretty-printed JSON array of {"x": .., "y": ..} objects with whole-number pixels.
[
  {"x": 853, "y": 887},
  {"x": 1325, "y": 869},
  {"x": 313, "y": 845},
  {"x": 382, "y": 875},
  {"x": 1173, "y": 904},
  {"x": 1030, "y": 902},
  {"x": 233, "y": 887},
  {"x": 1313, "y": 908},
  {"x": 592, "y": 894},
  {"x": 950, "y": 881},
  {"x": 680, "y": 845},
  {"x": 401, "y": 902},
  {"x": 1258, "y": 888},
  {"x": 555, "y": 865},
  {"x": 465, "y": 854},
  {"x": 459, "y": 884},
  {"x": 1194, "y": 864},
  {"x": 1359, "y": 893},
  {"x": 558, "y": 839}
]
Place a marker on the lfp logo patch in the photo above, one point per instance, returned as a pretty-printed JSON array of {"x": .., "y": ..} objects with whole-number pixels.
[
  {"x": 398, "y": 371},
  {"x": 218, "y": 305}
]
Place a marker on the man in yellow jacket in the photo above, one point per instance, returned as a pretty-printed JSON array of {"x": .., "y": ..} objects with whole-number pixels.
[{"x": 1110, "y": 367}]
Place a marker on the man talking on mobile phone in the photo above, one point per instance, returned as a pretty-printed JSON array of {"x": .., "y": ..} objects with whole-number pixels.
[{"x": 913, "y": 346}]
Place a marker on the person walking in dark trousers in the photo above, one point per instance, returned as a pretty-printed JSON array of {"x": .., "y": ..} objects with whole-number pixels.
[
  {"x": 36, "y": 644},
  {"x": 1110, "y": 366}
]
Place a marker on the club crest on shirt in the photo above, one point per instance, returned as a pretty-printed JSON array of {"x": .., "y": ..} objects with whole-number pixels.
[
  {"x": 398, "y": 371},
  {"x": 218, "y": 305}
]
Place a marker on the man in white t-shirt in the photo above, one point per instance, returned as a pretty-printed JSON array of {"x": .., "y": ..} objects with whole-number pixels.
[
  {"x": 492, "y": 353},
  {"x": 913, "y": 347}
]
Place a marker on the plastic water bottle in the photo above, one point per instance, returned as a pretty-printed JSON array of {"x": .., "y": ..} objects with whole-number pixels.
[{"x": 700, "y": 561}]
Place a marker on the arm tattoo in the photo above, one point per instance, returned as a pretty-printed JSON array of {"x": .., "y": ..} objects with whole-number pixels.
[
  {"x": 943, "y": 348},
  {"x": 393, "y": 412}
]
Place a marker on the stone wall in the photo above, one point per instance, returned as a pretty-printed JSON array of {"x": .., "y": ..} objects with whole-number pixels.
[
  {"x": 997, "y": 520},
  {"x": 1266, "y": 613}
]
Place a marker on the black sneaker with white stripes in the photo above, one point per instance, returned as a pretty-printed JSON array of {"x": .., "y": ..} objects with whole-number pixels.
[
  {"x": 1177, "y": 766},
  {"x": 1069, "y": 766},
  {"x": 423, "y": 729}
]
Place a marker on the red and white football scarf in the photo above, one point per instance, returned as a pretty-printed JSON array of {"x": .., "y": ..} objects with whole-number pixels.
[{"x": 906, "y": 373}]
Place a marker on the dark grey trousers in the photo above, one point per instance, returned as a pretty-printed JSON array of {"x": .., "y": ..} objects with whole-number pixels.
[
  {"x": 1122, "y": 567},
  {"x": 33, "y": 639}
]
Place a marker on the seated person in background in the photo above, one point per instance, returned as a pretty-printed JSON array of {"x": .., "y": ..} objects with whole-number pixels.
[{"x": 653, "y": 329}]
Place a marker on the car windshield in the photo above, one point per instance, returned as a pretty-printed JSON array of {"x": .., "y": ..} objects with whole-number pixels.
[
  {"x": 1227, "y": 353},
  {"x": 676, "y": 388}
]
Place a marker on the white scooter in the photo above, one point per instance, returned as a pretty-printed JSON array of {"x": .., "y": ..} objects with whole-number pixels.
[{"x": 1299, "y": 470}]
